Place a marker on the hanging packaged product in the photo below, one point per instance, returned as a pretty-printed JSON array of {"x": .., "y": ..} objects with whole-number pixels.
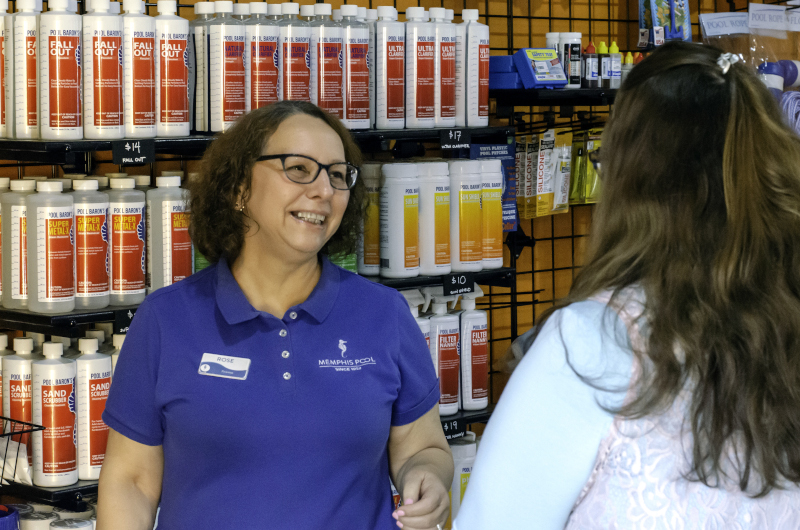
[
  {"x": 198, "y": 49},
  {"x": 552, "y": 171},
  {"x": 17, "y": 388},
  {"x": 369, "y": 242},
  {"x": 117, "y": 340},
  {"x": 466, "y": 230},
  {"x": 420, "y": 70},
  {"x": 326, "y": 85},
  {"x": 6, "y": 43},
  {"x": 531, "y": 163},
  {"x": 434, "y": 218},
  {"x": 591, "y": 190},
  {"x": 464, "y": 451},
  {"x": 26, "y": 70},
  {"x": 492, "y": 213},
  {"x": 103, "y": 102},
  {"x": 472, "y": 59},
  {"x": 15, "y": 244},
  {"x": 415, "y": 299},
  {"x": 61, "y": 94},
  {"x": 355, "y": 36},
  {"x": 51, "y": 273},
  {"x": 539, "y": 68},
  {"x": 474, "y": 353},
  {"x": 444, "y": 342},
  {"x": 294, "y": 56},
  {"x": 127, "y": 250},
  {"x": 577, "y": 168},
  {"x": 169, "y": 247},
  {"x": 55, "y": 453},
  {"x": 561, "y": 173},
  {"x": 227, "y": 67},
  {"x": 399, "y": 221},
  {"x": 570, "y": 57},
  {"x": 445, "y": 69},
  {"x": 261, "y": 58},
  {"x": 91, "y": 246},
  {"x": 390, "y": 70},
  {"x": 139, "y": 70},
  {"x": 172, "y": 71},
  {"x": 519, "y": 163},
  {"x": 372, "y": 19},
  {"x": 94, "y": 381}
]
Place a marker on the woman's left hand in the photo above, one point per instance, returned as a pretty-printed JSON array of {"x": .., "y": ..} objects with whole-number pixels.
[{"x": 425, "y": 501}]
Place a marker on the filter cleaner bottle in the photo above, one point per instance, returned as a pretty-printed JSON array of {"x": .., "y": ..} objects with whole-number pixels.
[
  {"x": 434, "y": 218},
  {"x": 55, "y": 453},
  {"x": 294, "y": 56},
  {"x": 356, "y": 74},
  {"x": 261, "y": 64},
  {"x": 399, "y": 221},
  {"x": 369, "y": 244},
  {"x": 15, "y": 244},
  {"x": 420, "y": 70},
  {"x": 17, "y": 387},
  {"x": 91, "y": 246},
  {"x": 103, "y": 102},
  {"x": 390, "y": 70},
  {"x": 466, "y": 230},
  {"x": 172, "y": 71},
  {"x": 227, "y": 67},
  {"x": 26, "y": 70},
  {"x": 445, "y": 333},
  {"x": 492, "y": 213},
  {"x": 127, "y": 242},
  {"x": 169, "y": 247},
  {"x": 474, "y": 353},
  {"x": 198, "y": 48},
  {"x": 94, "y": 381},
  {"x": 51, "y": 237},
  {"x": 139, "y": 70},
  {"x": 60, "y": 76},
  {"x": 326, "y": 85},
  {"x": 445, "y": 69}
]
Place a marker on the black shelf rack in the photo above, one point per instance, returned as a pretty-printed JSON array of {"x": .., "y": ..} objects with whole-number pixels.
[
  {"x": 581, "y": 97},
  {"x": 455, "y": 426},
  {"x": 495, "y": 277},
  {"x": 69, "y": 497}
]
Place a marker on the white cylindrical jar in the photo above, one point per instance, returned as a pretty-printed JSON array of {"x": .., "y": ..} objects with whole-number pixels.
[
  {"x": 127, "y": 248},
  {"x": 227, "y": 67},
  {"x": 15, "y": 244},
  {"x": 492, "y": 213},
  {"x": 93, "y": 382},
  {"x": 434, "y": 218},
  {"x": 169, "y": 247},
  {"x": 466, "y": 236},
  {"x": 420, "y": 70},
  {"x": 103, "y": 101},
  {"x": 139, "y": 70},
  {"x": 399, "y": 221},
  {"x": 172, "y": 71},
  {"x": 26, "y": 70},
  {"x": 390, "y": 70},
  {"x": 369, "y": 243},
  {"x": 445, "y": 69},
  {"x": 91, "y": 246}
]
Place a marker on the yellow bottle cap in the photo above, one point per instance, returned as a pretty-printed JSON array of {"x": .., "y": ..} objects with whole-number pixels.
[
  {"x": 614, "y": 48},
  {"x": 602, "y": 48},
  {"x": 629, "y": 58}
]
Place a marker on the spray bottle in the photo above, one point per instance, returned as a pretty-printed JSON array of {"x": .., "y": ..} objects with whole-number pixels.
[
  {"x": 169, "y": 247},
  {"x": 369, "y": 244},
  {"x": 17, "y": 387},
  {"x": 474, "y": 353},
  {"x": 389, "y": 70},
  {"x": 227, "y": 67},
  {"x": 294, "y": 55},
  {"x": 355, "y": 35},
  {"x": 26, "y": 70},
  {"x": 415, "y": 299},
  {"x": 445, "y": 69},
  {"x": 15, "y": 244},
  {"x": 94, "y": 381},
  {"x": 472, "y": 89},
  {"x": 198, "y": 49},
  {"x": 444, "y": 342},
  {"x": 55, "y": 454},
  {"x": 6, "y": 71},
  {"x": 139, "y": 70},
  {"x": 326, "y": 86},
  {"x": 103, "y": 109},
  {"x": 261, "y": 52},
  {"x": 172, "y": 71},
  {"x": 420, "y": 70}
]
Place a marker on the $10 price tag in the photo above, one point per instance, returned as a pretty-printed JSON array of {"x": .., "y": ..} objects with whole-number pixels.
[{"x": 459, "y": 283}]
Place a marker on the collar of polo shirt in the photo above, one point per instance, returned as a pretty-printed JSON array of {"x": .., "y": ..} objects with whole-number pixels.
[{"x": 235, "y": 307}]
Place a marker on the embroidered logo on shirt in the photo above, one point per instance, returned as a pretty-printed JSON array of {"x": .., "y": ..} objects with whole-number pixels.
[
  {"x": 344, "y": 364},
  {"x": 343, "y": 347}
]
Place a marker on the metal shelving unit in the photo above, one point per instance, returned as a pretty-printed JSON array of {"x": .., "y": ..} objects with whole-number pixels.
[
  {"x": 69, "y": 497},
  {"x": 581, "y": 97},
  {"x": 66, "y": 324}
]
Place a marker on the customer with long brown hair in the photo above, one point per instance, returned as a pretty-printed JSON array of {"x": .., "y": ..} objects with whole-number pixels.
[{"x": 664, "y": 391}]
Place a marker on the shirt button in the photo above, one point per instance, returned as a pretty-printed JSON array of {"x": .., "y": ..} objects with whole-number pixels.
[
  {"x": 282, "y": 333},
  {"x": 292, "y": 315},
  {"x": 287, "y": 376},
  {"x": 285, "y": 354}
]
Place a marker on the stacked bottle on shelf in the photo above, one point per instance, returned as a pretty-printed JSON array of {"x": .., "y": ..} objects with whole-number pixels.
[{"x": 108, "y": 76}]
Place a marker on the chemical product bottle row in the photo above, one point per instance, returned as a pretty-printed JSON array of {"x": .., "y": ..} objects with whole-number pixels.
[
  {"x": 35, "y": 516},
  {"x": 432, "y": 218},
  {"x": 105, "y": 76}
]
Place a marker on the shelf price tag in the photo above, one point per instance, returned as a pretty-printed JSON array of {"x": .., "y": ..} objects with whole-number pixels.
[
  {"x": 453, "y": 429},
  {"x": 458, "y": 283},
  {"x": 122, "y": 319},
  {"x": 132, "y": 152},
  {"x": 455, "y": 138},
  {"x": 658, "y": 36},
  {"x": 644, "y": 38}
]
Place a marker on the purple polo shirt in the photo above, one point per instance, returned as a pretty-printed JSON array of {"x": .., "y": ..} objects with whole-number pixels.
[{"x": 301, "y": 442}]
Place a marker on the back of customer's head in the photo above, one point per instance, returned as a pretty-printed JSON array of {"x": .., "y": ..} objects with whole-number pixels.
[{"x": 700, "y": 207}]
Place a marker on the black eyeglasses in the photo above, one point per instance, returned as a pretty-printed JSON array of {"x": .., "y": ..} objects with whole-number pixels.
[{"x": 304, "y": 170}]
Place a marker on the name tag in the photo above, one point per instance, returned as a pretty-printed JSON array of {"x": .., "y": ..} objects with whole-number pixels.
[{"x": 224, "y": 366}]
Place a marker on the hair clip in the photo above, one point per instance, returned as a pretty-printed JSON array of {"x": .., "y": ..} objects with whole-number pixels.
[{"x": 726, "y": 60}]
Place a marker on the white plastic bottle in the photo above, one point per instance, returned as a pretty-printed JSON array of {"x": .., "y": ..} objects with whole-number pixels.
[
  {"x": 434, "y": 218},
  {"x": 274, "y": 12},
  {"x": 492, "y": 213},
  {"x": 117, "y": 340},
  {"x": 38, "y": 340},
  {"x": 474, "y": 58},
  {"x": 445, "y": 333},
  {"x": 4, "y": 188},
  {"x": 307, "y": 12},
  {"x": 198, "y": 44},
  {"x": 172, "y": 71},
  {"x": 115, "y": 8},
  {"x": 4, "y": 352},
  {"x": 474, "y": 353},
  {"x": 420, "y": 70},
  {"x": 127, "y": 247},
  {"x": 445, "y": 69},
  {"x": 261, "y": 66},
  {"x": 6, "y": 83},
  {"x": 466, "y": 230},
  {"x": 60, "y": 75},
  {"x": 390, "y": 70},
  {"x": 169, "y": 248},
  {"x": 17, "y": 387},
  {"x": 15, "y": 244},
  {"x": 51, "y": 236},
  {"x": 55, "y": 454},
  {"x": 326, "y": 85},
  {"x": 336, "y": 15},
  {"x": 369, "y": 242},
  {"x": 399, "y": 221},
  {"x": 356, "y": 74},
  {"x": 91, "y": 246},
  {"x": 372, "y": 19},
  {"x": 415, "y": 299},
  {"x": 139, "y": 70},
  {"x": 464, "y": 451},
  {"x": 294, "y": 55},
  {"x": 103, "y": 101},
  {"x": 241, "y": 11},
  {"x": 69, "y": 351},
  {"x": 94, "y": 381},
  {"x": 26, "y": 70},
  {"x": 227, "y": 67}
]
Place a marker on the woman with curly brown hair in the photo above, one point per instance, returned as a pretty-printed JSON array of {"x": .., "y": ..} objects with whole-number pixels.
[{"x": 273, "y": 389}]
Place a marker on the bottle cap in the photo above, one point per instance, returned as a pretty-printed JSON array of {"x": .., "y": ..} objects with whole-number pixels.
[
  {"x": 614, "y": 48},
  {"x": 73, "y": 6},
  {"x": 371, "y": 172},
  {"x": 168, "y": 182},
  {"x": 3, "y": 341},
  {"x": 362, "y": 13},
  {"x": 241, "y": 9},
  {"x": 52, "y": 350},
  {"x": 23, "y": 344},
  {"x": 451, "y": 14},
  {"x": 322, "y": 10},
  {"x": 257, "y": 8},
  {"x": 66, "y": 184},
  {"x": 590, "y": 48},
  {"x": 464, "y": 167},
  {"x": 102, "y": 180},
  {"x": 167, "y": 7},
  {"x": 385, "y": 11},
  {"x": 437, "y": 13},
  {"x": 432, "y": 169},
  {"x": 223, "y": 6},
  {"x": 307, "y": 11},
  {"x": 123, "y": 183},
  {"x": 94, "y": 5},
  {"x": 274, "y": 9},
  {"x": 570, "y": 36},
  {"x": 602, "y": 48},
  {"x": 553, "y": 35},
  {"x": 290, "y": 8},
  {"x": 23, "y": 185},
  {"x": 491, "y": 165},
  {"x": 5, "y": 182},
  {"x": 54, "y": 5},
  {"x": 114, "y": 8},
  {"x": 470, "y": 15},
  {"x": 394, "y": 171},
  {"x": 336, "y": 15},
  {"x": 204, "y": 8},
  {"x": 88, "y": 345},
  {"x": 117, "y": 339},
  {"x": 74, "y": 176},
  {"x": 770, "y": 69},
  {"x": 629, "y": 58},
  {"x": 49, "y": 186},
  {"x": 66, "y": 341},
  {"x": 142, "y": 180},
  {"x": 348, "y": 10},
  {"x": 638, "y": 57},
  {"x": 135, "y": 6},
  {"x": 98, "y": 334},
  {"x": 3, "y": 5},
  {"x": 415, "y": 12},
  {"x": 372, "y": 14},
  {"x": 85, "y": 185}
]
